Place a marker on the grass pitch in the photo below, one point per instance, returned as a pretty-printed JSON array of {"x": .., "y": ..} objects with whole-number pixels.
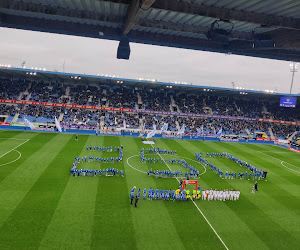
[{"x": 42, "y": 206}]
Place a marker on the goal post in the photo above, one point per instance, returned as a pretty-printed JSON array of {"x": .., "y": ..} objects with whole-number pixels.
[{"x": 190, "y": 182}]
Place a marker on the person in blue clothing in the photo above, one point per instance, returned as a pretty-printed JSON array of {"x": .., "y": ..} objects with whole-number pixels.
[
  {"x": 144, "y": 193},
  {"x": 132, "y": 194}
]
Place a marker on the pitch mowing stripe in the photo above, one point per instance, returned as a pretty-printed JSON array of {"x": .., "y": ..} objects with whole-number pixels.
[
  {"x": 203, "y": 216},
  {"x": 16, "y": 185},
  {"x": 279, "y": 206},
  {"x": 284, "y": 165},
  {"x": 151, "y": 219},
  {"x": 290, "y": 158},
  {"x": 254, "y": 211},
  {"x": 286, "y": 181},
  {"x": 39, "y": 204},
  {"x": 274, "y": 169},
  {"x": 25, "y": 150},
  {"x": 13, "y": 148},
  {"x": 7, "y": 145},
  {"x": 232, "y": 227},
  {"x": 112, "y": 215},
  {"x": 71, "y": 223},
  {"x": 274, "y": 182}
]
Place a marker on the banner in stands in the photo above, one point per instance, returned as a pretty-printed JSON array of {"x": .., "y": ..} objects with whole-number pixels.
[
  {"x": 144, "y": 111},
  {"x": 294, "y": 149},
  {"x": 266, "y": 139},
  {"x": 282, "y": 142},
  {"x": 229, "y": 139},
  {"x": 4, "y": 124}
]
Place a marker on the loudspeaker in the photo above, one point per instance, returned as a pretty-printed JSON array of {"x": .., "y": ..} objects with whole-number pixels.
[{"x": 124, "y": 49}]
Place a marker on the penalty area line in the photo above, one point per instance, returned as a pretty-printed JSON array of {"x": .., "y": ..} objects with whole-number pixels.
[
  {"x": 289, "y": 168},
  {"x": 14, "y": 148},
  {"x": 199, "y": 210}
]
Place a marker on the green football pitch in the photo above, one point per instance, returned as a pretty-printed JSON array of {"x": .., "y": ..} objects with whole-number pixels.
[{"x": 42, "y": 206}]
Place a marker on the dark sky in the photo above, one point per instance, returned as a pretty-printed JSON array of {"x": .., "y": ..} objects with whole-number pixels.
[{"x": 95, "y": 56}]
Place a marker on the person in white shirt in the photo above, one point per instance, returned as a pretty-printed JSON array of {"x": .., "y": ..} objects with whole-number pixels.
[
  {"x": 203, "y": 194},
  {"x": 220, "y": 195},
  {"x": 210, "y": 195},
  {"x": 215, "y": 194},
  {"x": 226, "y": 194},
  {"x": 238, "y": 194}
]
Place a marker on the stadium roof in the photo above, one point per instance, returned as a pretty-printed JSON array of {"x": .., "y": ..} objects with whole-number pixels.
[
  {"x": 102, "y": 80},
  {"x": 174, "y": 23}
]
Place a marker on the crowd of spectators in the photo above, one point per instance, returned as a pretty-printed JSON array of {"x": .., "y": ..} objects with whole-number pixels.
[
  {"x": 12, "y": 89},
  {"x": 119, "y": 96},
  {"x": 155, "y": 100}
]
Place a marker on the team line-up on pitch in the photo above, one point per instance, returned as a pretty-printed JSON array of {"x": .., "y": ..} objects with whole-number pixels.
[
  {"x": 90, "y": 159},
  {"x": 256, "y": 173},
  {"x": 181, "y": 194}
]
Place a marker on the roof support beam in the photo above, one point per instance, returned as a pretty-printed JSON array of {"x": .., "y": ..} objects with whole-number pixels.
[
  {"x": 135, "y": 12},
  {"x": 49, "y": 10},
  {"x": 77, "y": 29},
  {"x": 227, "y": 14},
  {"x": 189, "y": 28}
]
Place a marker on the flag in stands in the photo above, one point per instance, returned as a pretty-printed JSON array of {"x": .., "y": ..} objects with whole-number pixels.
[
  {"x": 219, "y": 132},
  {"x": 97, "y": 129},
  {"x": 199, "y": 131},
  {"x": 181, "y": 131},
  {"x": 58, "y": 125},
  {"x": 164, "y": 128},
  {"x": 152, "y": 133},
  {"x": 28, "y": 123}
]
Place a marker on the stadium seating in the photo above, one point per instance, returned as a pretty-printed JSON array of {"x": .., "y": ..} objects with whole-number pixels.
[{"x": 119, "y": 96}]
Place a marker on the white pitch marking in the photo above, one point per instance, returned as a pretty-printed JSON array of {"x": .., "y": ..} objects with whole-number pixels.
[
  {"x": 13, "y": 139},
  {"x": 13, "y": 160},
  {"x": 14, "y": 148},
  {"x": 134, "y": 167},
  {"x": 278, "y": 159},
  {"x": 200, "y": 212},
  {"x": 196, "y": 162},
  {"x": 169, "y": 168},
  {"x": 289, "y": 168}
]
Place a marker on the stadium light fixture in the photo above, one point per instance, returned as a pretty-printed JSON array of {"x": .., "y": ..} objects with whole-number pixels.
[{"x": 293, "y": 69}]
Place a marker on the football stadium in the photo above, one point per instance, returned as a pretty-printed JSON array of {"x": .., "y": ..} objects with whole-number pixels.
[{"x": 193, "y": 166}]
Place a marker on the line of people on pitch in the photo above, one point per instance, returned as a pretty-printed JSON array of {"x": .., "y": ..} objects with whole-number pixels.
[
  {"x": 236, "y": 160},
  {"x": 158, "y": 150},
  {"x": 172, "y": 174},
  {"x": 167, "y": 194},
  {"x": 90, "y": 172},
  {"x": 230, "y": 175},
  {"x": 103, "y": 149},
  {"x": 99, "y": 159},
  {"x": 220, "y": 195}
]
